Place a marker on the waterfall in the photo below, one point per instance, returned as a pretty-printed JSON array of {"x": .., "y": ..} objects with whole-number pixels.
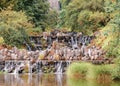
[
  {"x": 29, "y": 48},
  {"x": 38, "y": 64},
  {"x": 16, "y": 71},
  {"x": 18, "y": 67},
  {"x": 59, "y": 68},
  {"x": 90, "y": 52},
  {"x": 63, "y": 46},
  {"x": 68, "y": 63},
  {"x": 5, "y": 68},
  {"x": 83, "y": 49},
  {"x": 74, "y": 43},
  {"x": 29, "y": 67},
  {"x": 49, "y": 41},
  {"x": 8, "y": 66}
]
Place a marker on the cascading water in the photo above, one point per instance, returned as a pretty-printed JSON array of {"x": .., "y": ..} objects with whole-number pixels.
[
  {"x": 83, "y": 49},
  {"x": 18, "y": 67},
  {"x": 74, "y": 42},
  {"x": 6, "y": 67},
  {"x": 68, "y": 62},
  {"x": 9, "y": 65},
  {"x": 57, "y": 48},
  {"x": 59, "y": 68},
  {"x": 29, "y": 48},
  {"x": 29, "y": 67}
]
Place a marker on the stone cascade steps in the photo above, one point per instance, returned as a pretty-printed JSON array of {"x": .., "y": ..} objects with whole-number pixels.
[{"x": 39, "y": 67}]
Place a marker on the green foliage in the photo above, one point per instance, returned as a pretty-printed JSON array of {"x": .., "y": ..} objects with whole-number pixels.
[
  {"x": 37, "y": 10},
  {"x": 6, "y": 3},
  {"x": 1, "y": 40},
  {"x": 64, "y": 3},
  {"x": 111, "y": 32},
  {"x": 34, "y": 31},
  {"x": 116, "y": 72},
  {"x": 103, "y": 69},
  {"x": 91, "y": 22},
  {"x": 80, "y": 68},
  {"x": 86, "y": 15},
  {"x": 89, "y": 70},
  {"x": 52, "y": 19},
  {"x": 109, "y": 40},
  {"x": 13, "y": 26},
  {"x": 112, "y": 6},
  {"x": 61, "y": 17},
  {"x": 14, "y": 37},
  {"x": 13, "y": 19}
]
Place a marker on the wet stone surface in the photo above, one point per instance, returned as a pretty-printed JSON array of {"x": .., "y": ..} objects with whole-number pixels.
[{"x": 62, "y": 47}]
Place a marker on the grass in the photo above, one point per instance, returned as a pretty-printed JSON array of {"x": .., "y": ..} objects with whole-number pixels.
[
  {"x": 103, "y": 72},
  {"x": 115, "y": 73},
  {"x": 77, "y": 70},
  {"x": 90, "y": 71}
]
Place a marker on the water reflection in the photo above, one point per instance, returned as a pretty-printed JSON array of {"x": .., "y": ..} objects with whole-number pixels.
[
  {"x": 81, "y": 82},
  {"x": 34, "y": 80},
  {"x": 49, "y": 80}
]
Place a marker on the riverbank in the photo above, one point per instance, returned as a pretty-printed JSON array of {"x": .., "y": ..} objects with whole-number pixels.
[{"x": 90, "y": 71}]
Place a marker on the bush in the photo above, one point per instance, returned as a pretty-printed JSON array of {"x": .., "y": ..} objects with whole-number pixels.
[
  {"x": 14, "y": 37},
  {"x": 116, "y": 72},
  {"x": 77, "y": 69},
  {"x": 102, "y": 69},
  {"x": 88, "y": 71},
  {"x": 103, "y": 72},
  {"x": 13, "y": 27}
]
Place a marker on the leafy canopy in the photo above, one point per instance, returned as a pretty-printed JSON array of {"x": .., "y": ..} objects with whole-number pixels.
[
  {"x": 109, "y": 37},
  {"x": 13, "y": 27},
  {"x": 37, "y": 10},
  {"x": 86, "y": 15}
]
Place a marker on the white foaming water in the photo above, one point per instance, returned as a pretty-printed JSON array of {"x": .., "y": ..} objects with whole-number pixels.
[{"x": 59, "y": 68}]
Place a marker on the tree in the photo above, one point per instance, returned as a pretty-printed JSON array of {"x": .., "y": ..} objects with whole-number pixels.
[
  {"x": 64, "y": 3},
  {"x": 13, "y": 27},
  {"x": 6, "y": 3},
  {"x": 109, "y": 37},
  {"x": 37, "y": 10},
  {"x": 62, "y": 14},
  {"x": 86, "y": 15},
  {"x": 52, "y": 19}
]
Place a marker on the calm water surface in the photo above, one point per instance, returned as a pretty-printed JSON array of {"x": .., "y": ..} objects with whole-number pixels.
[{"x": 49, "y": 80}]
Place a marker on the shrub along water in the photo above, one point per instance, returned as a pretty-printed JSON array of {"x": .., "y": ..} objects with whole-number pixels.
[
  {"x": 90, "y": 71},
  {"x": 77, "y": 70},
  {"x": 116, "y": 72}
]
